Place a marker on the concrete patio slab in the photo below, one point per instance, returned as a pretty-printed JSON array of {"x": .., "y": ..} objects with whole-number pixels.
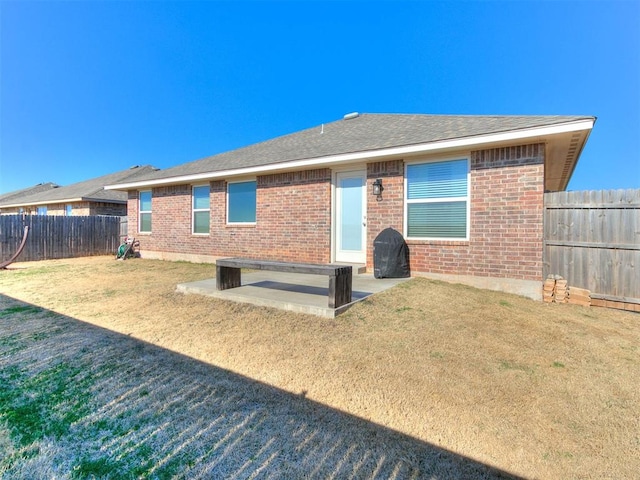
[{"x": 289, "y": 291}]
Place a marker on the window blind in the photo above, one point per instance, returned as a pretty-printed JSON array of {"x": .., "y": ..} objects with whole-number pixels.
[
  {"x": 437, "y": 220},
  {"x": 437, "y": 180}
]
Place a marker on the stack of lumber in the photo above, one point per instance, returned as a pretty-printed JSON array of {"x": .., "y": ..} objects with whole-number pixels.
[
  {"x": 548, "y": 289},
  {"x": 556, "y": 290},
  {"x": 560, "y": 294},
  {"x": 579, "y": 296}
]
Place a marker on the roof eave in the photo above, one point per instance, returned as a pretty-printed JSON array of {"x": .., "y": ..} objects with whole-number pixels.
[
  {"x": 64, "y": 200},
  {"x": 562, "y": 154},
  {"x": 484, "y": 140},
  {"x": 575, "y": 164}
]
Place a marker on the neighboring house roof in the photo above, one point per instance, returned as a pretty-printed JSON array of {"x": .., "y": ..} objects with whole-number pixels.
[
  {"x": 25, "y": 192},
  {"x": 385, "y": 136},
  {"x": 88, "y": 190}
]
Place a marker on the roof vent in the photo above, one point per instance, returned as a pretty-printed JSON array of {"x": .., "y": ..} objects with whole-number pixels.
[{"x": 349, "y": 116}]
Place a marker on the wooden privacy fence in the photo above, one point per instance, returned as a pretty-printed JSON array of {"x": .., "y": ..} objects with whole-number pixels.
[
  {"x": 53, "y": 237},
  {"x": 592, "y": 239}
]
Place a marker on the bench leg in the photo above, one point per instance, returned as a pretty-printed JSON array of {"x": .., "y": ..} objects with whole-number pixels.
[
  {"x": 227, "y": 277},
  {"x": 339, "y": 290}
]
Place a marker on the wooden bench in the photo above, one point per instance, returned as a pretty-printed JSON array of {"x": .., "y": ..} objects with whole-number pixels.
[{"x": 228, "y": 275}]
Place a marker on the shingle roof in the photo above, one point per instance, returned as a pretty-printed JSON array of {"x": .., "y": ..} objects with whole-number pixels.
[
  {"x": 25, "y": 192},
  {"x": 366, "y": 132},
  {"x": 92, "y": 189}
]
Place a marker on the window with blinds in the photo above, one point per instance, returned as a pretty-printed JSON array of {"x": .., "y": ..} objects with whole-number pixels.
[{"x": 436, "y": 203}]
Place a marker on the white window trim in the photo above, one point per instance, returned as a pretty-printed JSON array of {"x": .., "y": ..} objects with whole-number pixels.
[
  {"x": 140, "y": 211},
  {"x": 435, "y": 200},
  {"x": 244, "y": 180},
  {"x": 194, "y": 210}
]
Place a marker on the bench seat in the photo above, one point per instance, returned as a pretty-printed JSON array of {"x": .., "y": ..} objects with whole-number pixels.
[{"x": 228, "y": 275}]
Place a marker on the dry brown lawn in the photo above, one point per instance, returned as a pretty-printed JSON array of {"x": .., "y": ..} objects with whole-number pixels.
[{"x": 536, "y": 390}]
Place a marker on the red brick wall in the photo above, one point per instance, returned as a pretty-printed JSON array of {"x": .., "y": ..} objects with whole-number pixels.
[
  {"x": 293, "y": 220},
  {"x": 132, "y": 213},
  {"x": 507, "y": 211},
  {"x": 507, "y": 187},
  {"x": 389, "y": 210},
  {"x": 171, "y": 220},
  {"x": 294, "y": 216}
]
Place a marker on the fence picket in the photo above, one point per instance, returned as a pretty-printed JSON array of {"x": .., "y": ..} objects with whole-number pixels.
[
  {"x": 592, "y": 238},
  {"x": 53, "y": 237}
]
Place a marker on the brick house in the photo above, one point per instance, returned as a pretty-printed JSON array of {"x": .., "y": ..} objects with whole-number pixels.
[
  {"x": 15, "y": 196},
  {"x": 88, "y": 197},
  {"x": 466, "y": 192}
]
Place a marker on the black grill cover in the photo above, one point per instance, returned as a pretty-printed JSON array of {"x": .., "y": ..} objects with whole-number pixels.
[{"x": 390, "y": 255}]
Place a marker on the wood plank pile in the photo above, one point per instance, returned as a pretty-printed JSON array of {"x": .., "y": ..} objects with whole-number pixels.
[
  {"x": 556, "y": 290},
  {"x": 579, "y": 296},
  {"x": 628, "y": 306},
  {"x": 548, "y": 289},
  {"x": 560, "y": 295}
]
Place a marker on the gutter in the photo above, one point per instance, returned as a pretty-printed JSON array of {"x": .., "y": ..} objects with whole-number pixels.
[{"x": 65, "y": 200}]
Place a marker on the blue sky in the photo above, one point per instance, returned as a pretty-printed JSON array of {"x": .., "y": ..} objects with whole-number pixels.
[{"x": 90, "y": 88}]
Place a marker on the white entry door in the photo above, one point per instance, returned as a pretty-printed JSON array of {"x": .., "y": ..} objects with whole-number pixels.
[{"x": 351, "y": 217}]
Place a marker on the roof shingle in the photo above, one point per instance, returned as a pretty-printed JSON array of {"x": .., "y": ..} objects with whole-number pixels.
[
  {"x": 366, "y": 132},
  {"x": 92, "y": 189}
]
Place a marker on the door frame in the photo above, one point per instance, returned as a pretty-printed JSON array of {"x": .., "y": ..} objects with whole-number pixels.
[{"x": 360, "y": 169}]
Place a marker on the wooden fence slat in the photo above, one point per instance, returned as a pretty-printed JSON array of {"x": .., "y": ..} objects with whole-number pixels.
[
  {"x": 53, "y": 237},
  {"x": 592, "y": 238}
]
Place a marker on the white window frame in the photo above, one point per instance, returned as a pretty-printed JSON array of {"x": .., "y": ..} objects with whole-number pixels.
[
  {"x": 466, "y": 198},
  {"x": 68, "y": 209},
  {"x": 42, "y": 210},
  {"x": 195, "y": 210},
  {"x": 245, "y": 180},
  {"x": 141, "y": 212}
]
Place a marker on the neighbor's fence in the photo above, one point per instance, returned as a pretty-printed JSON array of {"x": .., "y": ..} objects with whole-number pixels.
[
  {"x": 58, "y": 236},
  {"x": 592, "y": 239}
]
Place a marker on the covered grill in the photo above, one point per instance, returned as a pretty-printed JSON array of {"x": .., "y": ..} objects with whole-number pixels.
[{"x": 390, "y": 255}]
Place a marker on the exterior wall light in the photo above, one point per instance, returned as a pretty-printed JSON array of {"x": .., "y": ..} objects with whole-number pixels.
[{"x": 378, "y": 188}]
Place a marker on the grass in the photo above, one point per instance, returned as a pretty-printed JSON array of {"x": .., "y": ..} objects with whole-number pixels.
[
  {"x": 56, "y": 405},
  {"x": 42, "y": 405},
  {"x": 508, "y": 365},
  {"x": 106, "y": 372},
  {"x": 19, "y": 309},
  {"x": 100, "y": 468}
]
